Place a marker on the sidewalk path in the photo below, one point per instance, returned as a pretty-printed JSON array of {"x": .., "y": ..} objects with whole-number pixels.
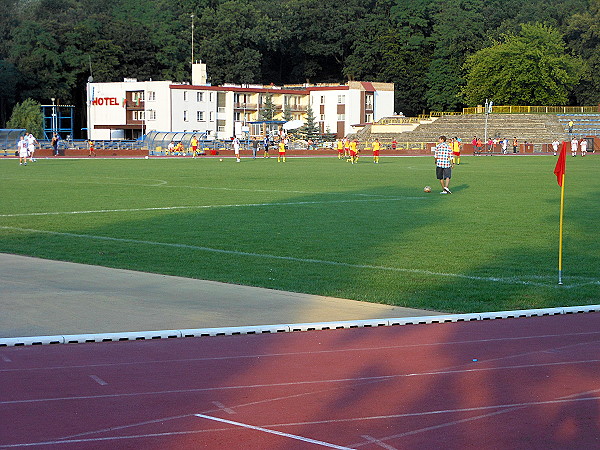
[{"x": 41, "y": 297}]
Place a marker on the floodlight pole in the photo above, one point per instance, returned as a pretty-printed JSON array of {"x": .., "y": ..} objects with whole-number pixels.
[{"x": 488, "y": 110}]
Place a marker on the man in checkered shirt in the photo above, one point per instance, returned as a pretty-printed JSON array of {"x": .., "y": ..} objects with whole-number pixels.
[{"x": 443, "y": 164}]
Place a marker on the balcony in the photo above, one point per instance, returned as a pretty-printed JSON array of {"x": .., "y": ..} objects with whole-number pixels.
[{"x": 246, "y": 106}]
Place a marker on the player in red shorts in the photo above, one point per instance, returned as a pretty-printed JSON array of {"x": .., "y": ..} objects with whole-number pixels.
[
  {"x": 376, "y": 147},
  {"x": 281, "y": 156}
]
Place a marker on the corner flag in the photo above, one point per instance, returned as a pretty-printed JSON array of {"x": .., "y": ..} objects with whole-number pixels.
[{"x": 559, "y": 170}]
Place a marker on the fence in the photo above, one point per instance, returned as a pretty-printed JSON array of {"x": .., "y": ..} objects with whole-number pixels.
[{"x": 534, "y": 110}]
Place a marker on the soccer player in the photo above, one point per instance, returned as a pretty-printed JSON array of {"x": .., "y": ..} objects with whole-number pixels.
[
  {"x": 456, "y": 150},
  {"x": 266, "y": 143},
  {"x": 236, "y": 148},
  {"x": 22, "y": 148},
  {"x": 353, "y": 151},
  {"x": 170, "y": 148},
  {"x": 555, "y": 145},
  {"x": 281, "y": 156},
  {"x": 583, "y": 147},
  {"x": 31, "y": 144},
  {"x": 574, "y": 143},
  {"x": 91, "y": 151},
  {"x": 376, "y": 146},
  {"x": 443, "y": 164},
  {"x": 340, "y": 148},
  {"x": 194, "y": 145}
]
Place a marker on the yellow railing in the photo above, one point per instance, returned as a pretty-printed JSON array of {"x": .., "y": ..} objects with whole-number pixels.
[
  {"x": 444, "y": 113},
  {"x": 534, "y": 110},
  {"x": 397, "y": 120}
]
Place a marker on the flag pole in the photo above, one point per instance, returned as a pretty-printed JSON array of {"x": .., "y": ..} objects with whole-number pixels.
[{"x": 560, "y": 228}]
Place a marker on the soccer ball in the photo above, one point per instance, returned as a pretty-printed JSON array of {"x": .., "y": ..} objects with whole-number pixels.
[
  {"x": 221, "y": 159},
  {"x": 146, "y": 156},
  {"x": 427, "y": 189}
]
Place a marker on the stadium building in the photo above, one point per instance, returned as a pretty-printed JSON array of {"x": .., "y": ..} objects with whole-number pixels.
[{"x": 131, "y": 108}]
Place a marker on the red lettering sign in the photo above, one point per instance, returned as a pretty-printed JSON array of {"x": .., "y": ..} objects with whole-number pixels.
[{"x": 108, "y": 101}]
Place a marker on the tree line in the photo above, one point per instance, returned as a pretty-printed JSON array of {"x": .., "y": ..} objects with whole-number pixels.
[{"x": 441, "y": 55}]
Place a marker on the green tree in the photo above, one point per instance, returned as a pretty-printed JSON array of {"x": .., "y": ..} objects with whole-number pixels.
[
  {"x": 28, "y": 115},
  {"x": 458, "y": 28},
  {"x": 531, "y": 68},
  {"x": 310, "y": 129},
  {"x": 267, "y": 110},
  {"x": 287, "y": 112},
  {"x": 583, "y": 37}
]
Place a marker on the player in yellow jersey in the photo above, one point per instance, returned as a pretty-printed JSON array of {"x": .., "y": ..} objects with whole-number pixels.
[
  {"x": 376, "y": 146},
  {"x": 281, "y": 151},
  {"x": 456, "y": 145},
  {"x": 340, "y": 148},
  {"x": 353, "y": 151}
]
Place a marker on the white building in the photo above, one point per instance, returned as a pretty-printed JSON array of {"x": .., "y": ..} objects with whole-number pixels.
[{"x": 129, "y": 109}]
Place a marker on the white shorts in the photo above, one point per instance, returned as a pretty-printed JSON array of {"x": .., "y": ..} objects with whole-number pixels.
[{"x": 23, "y": 153}]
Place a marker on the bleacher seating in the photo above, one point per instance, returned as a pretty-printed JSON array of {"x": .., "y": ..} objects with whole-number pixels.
[{"x": 531, "y": 128}]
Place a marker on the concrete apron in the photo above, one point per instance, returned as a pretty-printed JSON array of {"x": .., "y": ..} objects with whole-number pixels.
[{"x": 42, "y": 297}]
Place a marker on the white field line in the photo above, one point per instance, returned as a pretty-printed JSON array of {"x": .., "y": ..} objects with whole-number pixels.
[
  {"x": 515, "y": 281},
  {"x": 240, "y": 205},
  {"x": 278, "y": 433},
  {"x": 512, "y": 280}
]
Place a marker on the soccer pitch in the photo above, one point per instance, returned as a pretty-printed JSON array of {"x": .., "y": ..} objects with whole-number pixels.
[{"x": 321, "y": 226}]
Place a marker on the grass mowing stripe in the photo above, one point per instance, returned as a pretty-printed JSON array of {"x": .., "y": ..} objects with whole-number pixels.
[
  {"x": 167, "y": 208},
  {"x": 302, "y": 260}
]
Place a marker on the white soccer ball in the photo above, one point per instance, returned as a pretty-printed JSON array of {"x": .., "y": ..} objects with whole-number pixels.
[
  {"x": 146, "y": 157},
  {"x": 221, "y": 159},
  {"x": 427, "y": 189}
]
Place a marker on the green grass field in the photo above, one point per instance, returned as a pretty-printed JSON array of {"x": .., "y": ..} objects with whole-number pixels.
[{"x": 322, "y": 226}]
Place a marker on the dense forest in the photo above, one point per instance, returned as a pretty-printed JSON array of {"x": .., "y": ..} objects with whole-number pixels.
[{"x": 441, "y": 55}]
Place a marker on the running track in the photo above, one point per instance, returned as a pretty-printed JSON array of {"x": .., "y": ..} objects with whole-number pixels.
[{"x": 511, "y": 383}]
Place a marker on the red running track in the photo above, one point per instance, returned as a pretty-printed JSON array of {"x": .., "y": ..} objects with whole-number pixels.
[{"x": 509, "y": 383}]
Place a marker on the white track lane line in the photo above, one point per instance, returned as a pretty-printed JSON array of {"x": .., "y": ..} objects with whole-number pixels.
[
  {"x": 278, "y": 433},
  {"x": 356, "y": 349},
  {"x": 305, "y": 383},
  {"x": 513, "y": 281}
]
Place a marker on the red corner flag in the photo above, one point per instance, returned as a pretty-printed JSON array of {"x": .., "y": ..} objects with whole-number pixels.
[{"x": 559, "y": 170}]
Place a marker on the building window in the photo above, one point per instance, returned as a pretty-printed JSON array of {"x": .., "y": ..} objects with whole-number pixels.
[
  {"x": 210, "y": 96},
  {"x": 341, "y": 99},
  {"x": 151, "y": 114},
  {"x": 322, "y": 117},
  {"x": 322, "y": 99},
  {"x": 369, "y": 101},
  {"x": 138, "y": 115},
  {"x": 137, "y": 96},
  {"x": 369, "y": 118},
  {"x": 151, "y": 96},
  {"x": 185, "y": 116},
  {"x": 199, "y": 96},
  {"x": 341, "y": 117},
  {"x": 200, "y": 116},
  {"x": 211, "y": 116},
  {"x": 185, "y": 96}
]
